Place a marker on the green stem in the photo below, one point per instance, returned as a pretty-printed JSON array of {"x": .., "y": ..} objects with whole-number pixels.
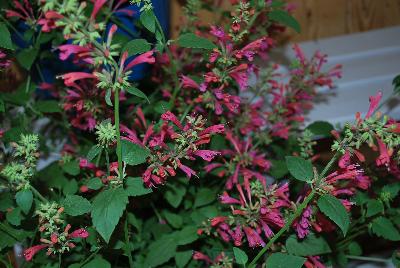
[
  {"x": 59, "y": 260},
  {"x": 127, "y": 244},
  {"x": 116, "y": 119},
  {"x": 36, "y": 192},
  {"x": 361, "y": 258},
  {"x": 297, "y": 213}
]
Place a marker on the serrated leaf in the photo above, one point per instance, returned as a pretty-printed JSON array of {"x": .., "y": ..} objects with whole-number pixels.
[
  {"x": 187, "y": 235},
  {"x": 14, "y": 216},
  {"x": 182, "y": 258},
  {"x": 107, "y": 208},
  {"x": 93, "y": 152},
  {"x": 240, "y": 256},
  {"x": 148, "y": 20},
  {"x": 374, "y": 207},
  {"x": 24, "y": 200},
  {"x": 27, "y": 57},
  {"x": 94, "y": 183},
  {"x": 284, "y": 18},
  {"x": 137, "y": 92},
  {"x": 135, "y": 187},
  {"x": 175, "y": 195},
  {"x": 97, "y": 262},
  {"x": 300, "y": 168},
  {"x": 334, "y": 209},
  {"x": 5, "y": 40},
  {"x": 309, "y": 246},
  {"x": 71, "y": 167},
  {"x": 383, "y": 227},
  {"x": 47, "y": 106},
  {"x": 133, "y": 154},
  {"x": 278, "y": 169},
  {"x": 173, "y": 219},
  {"x": 161, "y": 251},
  {"x": 76, "y": 205},
  {"x": 321, "y": 128},
  {"x": 203, "y": 197},
  {"x": 190, "y": 40},
  {"x": 137, "y": 46},
  {"x": 354, "y": 249},
  {"x": 280, "y": 260}
]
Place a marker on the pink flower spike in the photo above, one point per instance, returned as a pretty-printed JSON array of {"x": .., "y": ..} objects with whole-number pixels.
[
  {"x": 213, "y": 129},
  {"x": 70, "y": 78},
  {"x": 80, "y": 233},
  {"x": 98, "y": 4},
  {"x": 253, "y": 237},
  {"x": 207, "y": 155},
  {"x": 374, "y": 102},
  {"x": 30, "y": 252},
  {"x": 144, "y": 58},
  {"x": 385, "y": 154},
  {"x": 168, "y": 116},
  {"x": 200, "y": 256},
  {"x": 111, "y": 33},
  {"x": 189, "y": 172}
]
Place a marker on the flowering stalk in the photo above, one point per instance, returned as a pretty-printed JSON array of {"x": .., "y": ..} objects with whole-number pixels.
[
  {"x": 297, "y": 213},
  {"x": 116, "y": 119}
]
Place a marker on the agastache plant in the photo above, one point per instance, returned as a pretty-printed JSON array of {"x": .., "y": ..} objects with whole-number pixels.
[{"x": 123, "y": 147}]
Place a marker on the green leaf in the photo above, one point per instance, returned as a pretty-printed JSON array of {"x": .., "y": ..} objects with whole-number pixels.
[
  {"x": 190, "y": 40},
  {"x": 97, "y": 262},
  {"x": 27, "y": 57},
  {"x": 2, "y": 106},
  {"x": 93, "y": 152},
  {"x": 14, "y": 216},
  {"x": 5, "y": 40},
  {"x": 182, "y": 258},
  {"x": 300, "y": 168},
  {"x": 70, "y": 187},
  {"x": 321, "y": 128},
  {"x": 71, "y": 167},
  {"x": 49, "y": 106},
  {"x": 135, "y": 187},
  {"x": 280, "y": 260},
  {"x": 76, "y": 205},
  {"x": 133, "y": 154},
  {"x": 24, "y": 200},
  {"x": 137, "y": 46},
  {"x": 374, "y": 207},
  {"x": 161, "y": 251},
  {"x": 173, "y": 219},
  {"x": 203, "y": 197},
  {"x": 148, "y": 20},
  {"x": 107, "y": 208},
  {"x": 240, "y": 256},
  {"x": 175, "y": 195},
  {"x": 94, "y": 183},
  {"x": 284, "y": 18},
  {"x": 309, "y": 246},
  {"x": 278, "y": 169},
  {"x": 137, "y": 92},
  {"x": 383, "y": 227},
  {"x": 334, "y": 209},
  {"x": 187, "y": 235},
  {"x": 354, "y": 249}
]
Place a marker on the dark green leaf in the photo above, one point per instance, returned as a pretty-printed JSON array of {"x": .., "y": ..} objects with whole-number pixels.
[
  {"x": 2, "y": 106},
  {"x": 76, "y": 205},
  {"x": 70, "y": 187},
  {"x": 135, "y": 187},
  {"x": 182, "y": 258},
  {"x": 280, "y": 260},
  {"x": 321, "y": 128},
  {"x": 354, "y": 249},
  {"x": 49, "y": 106},
  {"x": 148, "y": 20},
  {"x": 107, "y": 209},
  {"x": 204, "y": 196},
  {"x": 300, "y": 168},
  {"x": 334, "y": 209},
  {"x": 175, "y": 195},
  {"x": 278, "y": 169},
  {"x": 24, "y": 200},
  {"x": 133, "y": 154},
  {"x": 383, "y": 227},
  {"x": 94, "y": 183},
  {"x": 310, "y": 246},
  {"x": 283, "y": 17},
  {"x": 173, "y": 219},
  {"x": 374, "y": 207},
  {"x": 190, "y": 40},
  {"x": 161, "y": 251},
  {"x": 97, "y": 262},
  {"x": 187, "y": 235},
  {"x": 26, "y": 57},
  {"x": 137, "y": 46},
  {"x": 240, "y": 256},
  {"x": 14, "y": 216},
  {"x": 71, "y": 167},
  {"x": 137, "y": 92},
  {"x": 93, "y": 152},
  {"x": 5, "y": 40}
]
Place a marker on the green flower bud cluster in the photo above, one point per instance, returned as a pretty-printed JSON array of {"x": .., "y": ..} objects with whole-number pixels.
[
  {"x": 147, "y": 5},
  {"x": 106, "y": 133},
  {"x": 306, "y": 144}
]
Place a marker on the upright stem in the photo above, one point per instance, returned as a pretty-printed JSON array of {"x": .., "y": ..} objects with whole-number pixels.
[
  {"x": 127, "y": 244},
  {"x": 116, "y": 119},
  {"x": 297, "y": 213},
  {"x": 36, "y": 192}
]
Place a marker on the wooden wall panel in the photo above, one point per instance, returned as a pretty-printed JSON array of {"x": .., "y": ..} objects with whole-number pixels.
[{"x": 326, "y": 18}]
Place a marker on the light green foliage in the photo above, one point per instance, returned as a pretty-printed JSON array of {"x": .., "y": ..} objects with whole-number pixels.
[{"x": 106, "y": 133}]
